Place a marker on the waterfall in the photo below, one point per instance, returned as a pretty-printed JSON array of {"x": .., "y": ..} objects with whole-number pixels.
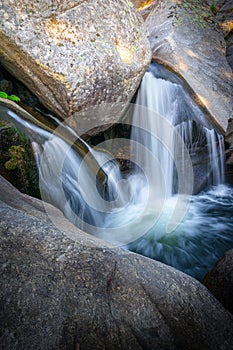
[
  {"x": 172, "y": 117},
  {"x": 157, "y": 98},
  {"x": 171, "y": 102},
  {"x": 215, "y": 144},
  {"x": 150, "y": 208},
  {"x": 67, "y": 182}
]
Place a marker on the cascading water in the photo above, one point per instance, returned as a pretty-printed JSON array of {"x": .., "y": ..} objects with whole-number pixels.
[
  {"x": 170, "y": 101},
  {"x": 216, "y": 155},
  {"x": 203, "y": 235},
  {"x": 160, "y": 100},
  {"x": 149, "y": 215}
]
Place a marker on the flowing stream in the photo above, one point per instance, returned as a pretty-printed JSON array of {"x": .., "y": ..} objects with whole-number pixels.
[
  {"x": 206, "y": 231},
  {"x": 151, "y": 208}
]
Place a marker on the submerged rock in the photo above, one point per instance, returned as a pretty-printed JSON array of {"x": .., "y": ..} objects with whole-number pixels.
[
  {"x": 75, "y": 54},
  {"x": 64, "y": 289},
  {"x": 220, "y": 280},
  {"x": 183, "y": 36}
]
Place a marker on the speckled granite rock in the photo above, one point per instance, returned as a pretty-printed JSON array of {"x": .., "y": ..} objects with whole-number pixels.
[
  {"x": 220, "y": 280},
  {"x": 64, "y": 289},
  {"x": 74, "y": 54},
  {"x": 183, "y": 36}
]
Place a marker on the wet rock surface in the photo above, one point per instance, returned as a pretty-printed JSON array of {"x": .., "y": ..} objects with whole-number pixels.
[{"x": 64, "y": 289}]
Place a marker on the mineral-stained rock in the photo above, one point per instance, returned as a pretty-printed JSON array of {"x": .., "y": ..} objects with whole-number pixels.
[
  {"x": 74, "y": 54},
  {"x": 220, "y": 280},
  {"x": 184, "y": 37},
  {"x": 64, "y": 289},
  {"x": 141, "y": 3},
  {"x": 144, "y": 6}
]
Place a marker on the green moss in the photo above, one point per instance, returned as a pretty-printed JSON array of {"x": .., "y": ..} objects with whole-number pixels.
[
  {"x": 213, "y": 8},
  {"x": 17, "y": 161},
  {"x": 14, "y": 98},
  {"x": 196, "y": 14},
  {"x": 11, "y": 164},
  {"x": 16, "y": 154},
  {"x": 3, "y": 94}
]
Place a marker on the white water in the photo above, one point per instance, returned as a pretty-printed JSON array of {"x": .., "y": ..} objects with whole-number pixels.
[
  {"x": 150, "y": 215},
  {"x": 215, "y": 144},
  {"x": 207, "y": 229},
  {"x": 159, "y": 137},
  {"x": 168, "y": 101}
]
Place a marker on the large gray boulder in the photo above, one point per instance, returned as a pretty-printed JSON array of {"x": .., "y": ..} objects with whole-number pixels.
[
  {"x": 64, "y": 289},
  {"x": 75, "y": 54},
  {"x": 183, "y": 36},
  {"x": 220, "y": 280}
]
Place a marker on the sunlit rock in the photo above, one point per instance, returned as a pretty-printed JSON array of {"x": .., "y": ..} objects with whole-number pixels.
[
  {"x": 75, "y": 54},
  {"x": 183, "y": 36},
  {"x": 144, "y": 6}
]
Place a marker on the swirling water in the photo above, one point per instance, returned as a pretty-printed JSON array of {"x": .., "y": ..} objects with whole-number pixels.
[
  {"x": 200, "y": 240},
  {"x": 154, "y": 212},
  {"x": 206, "y": 230}
]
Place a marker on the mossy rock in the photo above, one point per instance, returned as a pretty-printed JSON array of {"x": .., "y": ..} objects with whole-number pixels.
[{"x": 17, "y": 163}]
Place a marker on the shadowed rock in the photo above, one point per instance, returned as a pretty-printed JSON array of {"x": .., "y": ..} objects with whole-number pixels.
[
  {"x": 220, "y": 280},
  {"x": 64, "y": 289},
  {"x": 224, "y": 16}
]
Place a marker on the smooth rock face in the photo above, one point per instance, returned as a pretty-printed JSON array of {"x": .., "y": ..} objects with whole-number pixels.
[
  {"x": 183, "y": 36},
  {"x": 63, "y": 289},
  {"x": 75, "y": 54},
  {"x": 220, "y": 280}
]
